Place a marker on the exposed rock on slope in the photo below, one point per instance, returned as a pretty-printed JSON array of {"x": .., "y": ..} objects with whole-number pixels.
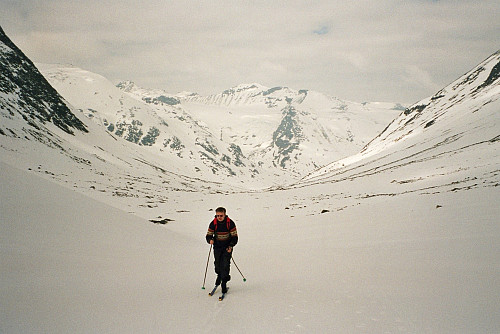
[{"x": 26, "y": 94}]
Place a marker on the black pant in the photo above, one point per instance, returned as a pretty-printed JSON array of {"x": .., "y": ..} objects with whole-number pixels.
[{"x": 222, "y": 264}]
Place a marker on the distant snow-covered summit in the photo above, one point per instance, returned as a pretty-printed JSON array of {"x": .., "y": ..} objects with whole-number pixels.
[
  {"x": 254, "y": 93},
  {"x": 289, "y": 131}
]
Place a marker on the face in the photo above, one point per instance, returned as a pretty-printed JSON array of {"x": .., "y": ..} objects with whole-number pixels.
[{"x": 220, "y": 216}]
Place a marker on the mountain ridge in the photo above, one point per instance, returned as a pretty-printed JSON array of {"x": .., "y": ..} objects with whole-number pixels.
[
  {"x": 251, "y": 136},
  {"x": 22, "y": 84},
  {"x": 232, "y": 133}
]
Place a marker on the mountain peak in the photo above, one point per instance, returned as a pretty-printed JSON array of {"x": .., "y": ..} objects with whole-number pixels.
[
  {"x": 127, "y": 85},
  {"x": 252, "y": 87}
]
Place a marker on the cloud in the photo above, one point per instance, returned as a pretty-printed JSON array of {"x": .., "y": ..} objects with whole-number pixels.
[
  {"x": 418, "y": 77},
  {"x": 358, "y": 50},
  {"x": 358, "y": 60}
]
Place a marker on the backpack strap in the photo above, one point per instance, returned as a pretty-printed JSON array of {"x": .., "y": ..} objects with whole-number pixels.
[{"x": 228, "y": 221}]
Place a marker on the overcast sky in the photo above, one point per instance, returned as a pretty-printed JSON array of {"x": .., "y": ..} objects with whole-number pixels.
[{"x": 394, "y": 50}]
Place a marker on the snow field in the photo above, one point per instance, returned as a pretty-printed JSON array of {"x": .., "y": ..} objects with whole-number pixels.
[{"x": 395, "y": 264}]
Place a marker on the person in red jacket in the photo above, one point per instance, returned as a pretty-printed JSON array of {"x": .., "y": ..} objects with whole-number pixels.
[{"x": 222, "y": 234}]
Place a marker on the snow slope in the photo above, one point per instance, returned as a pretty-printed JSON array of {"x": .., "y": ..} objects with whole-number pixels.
[
  {"x": 73, "y": 264},
  {"x": 451, "y": 138}
]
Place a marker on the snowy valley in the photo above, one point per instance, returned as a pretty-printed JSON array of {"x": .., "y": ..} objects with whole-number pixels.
[{"x": 353, "y": 217}]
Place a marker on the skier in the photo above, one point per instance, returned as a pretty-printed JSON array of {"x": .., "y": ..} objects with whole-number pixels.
[{"x": 223, "y": 236}]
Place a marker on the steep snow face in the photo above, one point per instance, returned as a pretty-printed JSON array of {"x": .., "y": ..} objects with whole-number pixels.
[
  {"x": 27, "y": 98},
  {"x": 461, "y": 101},
  {"x": 448, "y": 140}
]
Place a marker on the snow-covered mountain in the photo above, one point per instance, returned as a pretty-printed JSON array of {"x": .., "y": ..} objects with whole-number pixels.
[
  {"x": 155, "y": 124},
  {"x": 123, "y": 143},
  {"x": 290, "y": 132},
  {"x": 449, "y": 140},
  {"x": 466, "y": 108},
  {"x": 378, "y": 242},
  {"x": 293, "y": 130},
  {"x": 45, "y": 135},
  {"x": 28, "y": 103}
]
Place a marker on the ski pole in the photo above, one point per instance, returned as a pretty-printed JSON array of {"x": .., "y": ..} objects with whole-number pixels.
[
  {"x": 244, "y": 279},
  {"x": 208, "y": 259}
]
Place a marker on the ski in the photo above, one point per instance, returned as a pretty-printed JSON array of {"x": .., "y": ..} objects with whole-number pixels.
[
  {"x": 211, "y": 293},
  {"x": 223, "y": 295}
]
